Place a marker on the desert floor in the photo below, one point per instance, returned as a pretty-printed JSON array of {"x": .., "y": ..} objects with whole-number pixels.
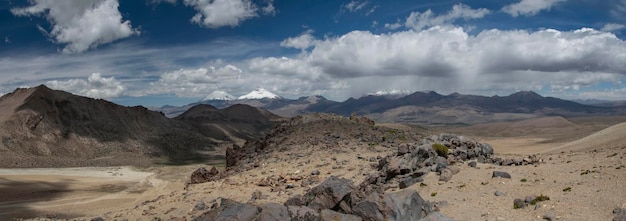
[{"x": 583, "y": 174}]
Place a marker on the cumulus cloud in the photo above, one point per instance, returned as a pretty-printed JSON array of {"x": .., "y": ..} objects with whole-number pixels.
[
  {"x": 302, "y": 42},
  {"x": 449, "y": 58},
  {"x": 529, "y": 7},
  {"x": 610, "y": 27},
  {"x": 80, "y": 24},
  {"x": 220, "y": 13},
  {"x": 95, "y": 86},
  {"x": 194, "y": 82},
  {"x": 421, "y": 20}
]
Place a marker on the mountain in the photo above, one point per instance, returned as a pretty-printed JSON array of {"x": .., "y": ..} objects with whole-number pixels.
[
  {"x": 259, "y": 93},
  {"x": 41, "y": 127},
  {"x": 236, "y": 123},
  {"x": 220, "y": 96}
]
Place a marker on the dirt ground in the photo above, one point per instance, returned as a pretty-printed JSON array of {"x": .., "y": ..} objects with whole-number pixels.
[{"x": 585, "y": 184}]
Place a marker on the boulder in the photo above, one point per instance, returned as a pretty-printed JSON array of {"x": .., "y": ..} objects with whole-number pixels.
[
  {"x": 202, "y": 175},
  {"x": 273, "y": 211},
  {"x": 328, "y": 194},
  {"x": 230, "y": 210},
  {"x": 501, "y": 174},
  {"x": 472, "y": 164},
  {"x": 446, "y": 175},
  {"x": 368, "y": 210},
  {"x": 405, "y": 205}
]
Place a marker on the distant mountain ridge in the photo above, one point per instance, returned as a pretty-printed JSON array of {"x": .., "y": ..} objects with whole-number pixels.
[{"x": 427, "y": 107}]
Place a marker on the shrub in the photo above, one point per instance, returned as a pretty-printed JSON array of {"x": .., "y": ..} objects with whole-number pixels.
[
  {"x": 441, "y": 149},
  {"x": 523, "y": 180},
  {"x": 539, "y": 199}
]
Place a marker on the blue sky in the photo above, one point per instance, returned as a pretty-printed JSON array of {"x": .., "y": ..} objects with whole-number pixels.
[{"x": 158, "y": 52}]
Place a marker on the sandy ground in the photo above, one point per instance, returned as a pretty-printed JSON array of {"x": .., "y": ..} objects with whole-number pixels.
[
  {"x": 594, "y": 173},
  {"x": 71, "y": 192}
]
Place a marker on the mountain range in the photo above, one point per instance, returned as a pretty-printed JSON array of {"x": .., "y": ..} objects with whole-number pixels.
[
  {"x": 41, "y": 127},
  {"x": 427, "y": 107}
]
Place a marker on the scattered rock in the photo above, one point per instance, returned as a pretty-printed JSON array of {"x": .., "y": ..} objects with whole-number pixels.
[
  {"x": 315, "y": 172},
  {"x": 499, "y": 193},
  {"x": 273, "y": 211},
  {"x": 328, "y": 194},
  {"x": 329, "y": 215},
  {"x": 501, "y": 174},
  {"x": 550, "y": 216},
  {"x": 519, "y": 204},
  {"x": 199, "y": 206},
  {"x": 619, "y": 214},
  {"x": 97, "y": 219},
  {"x": 446, "y": 175},
  {"x": 406, "y": 205},
  {"x": 472, "y": 164},
  {"x": 202, "y": 175}
]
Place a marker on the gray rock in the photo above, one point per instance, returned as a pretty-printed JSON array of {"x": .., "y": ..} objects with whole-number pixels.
[
  {"x": 441, "y": 163},
  {"x": 529, "y": 199},
  {"x": 301, "y": 213},
  {"x": 454, "y": 169},
  {"x": 619, "y": 214},
  {"x": 409, "y": 181},
  {"x": 501, "y": 174},
  {"x": 368, "y": 210},
  {"x": 315, "y": 172},
  {"x": 403, "y": 149},
  {"x": 199, "y": 206},
  {"x": 486, "y": 149},
  {"x": 294, "y": 201},
  {"x": 472, "y": 164},
  {"x": 97, "y": 219},
  {"x": 329, "y": 215},
  {"x": 328, "y": 194},
  {"x": 446, "y": 175},
  {"x": 272, "y": 212},
  {"x": 499, "y": 193},
  {"x": 519, "y": 204},
  {"x": 550, "y": 216},
  {"x": 436, "y": 216},
  {"x": 230, "y": 210},
  {"x": 405, "y": 205}
]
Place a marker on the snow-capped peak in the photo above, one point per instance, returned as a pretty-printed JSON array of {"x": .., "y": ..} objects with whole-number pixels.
[
  {"x": 259, "y": 93},
  {"x": 219, "y": 95},
  {"x": 393, "y": 92}
]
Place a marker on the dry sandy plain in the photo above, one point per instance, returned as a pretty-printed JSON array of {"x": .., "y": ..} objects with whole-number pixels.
[{"x": 584, "y": 155}]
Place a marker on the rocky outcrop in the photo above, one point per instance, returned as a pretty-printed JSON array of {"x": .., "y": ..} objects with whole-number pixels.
[{"x": 334, "y": 199}]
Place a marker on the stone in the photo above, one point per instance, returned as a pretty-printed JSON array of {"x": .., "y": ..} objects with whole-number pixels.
[
  {"x": 230, "y": 210},
  {"x": 296, "y": 200},
  {"x": 409, "y": 181},
  {"x": 529, "y": 199},
  {"x": 256, "y": 195},
  {"x": 501, "y": 174},
  {"x": 329, "y": 215},
  {"x": 97, "y": 219},
  {"x": 272, "y": 212},
  {"x": 202, "y": 175},
  {"x": 454, "y": 169},
  {"x": 472, "y": 164},
  {"x": 441, "y": 163},
  {"x": 619, "y": 214},
  {"x": 315, "y": 172},
  {"x": 405, "y": 205},
  {"x": 499, "y": 193},
  {"x": 446, "y": 175},
  {"x": 403, "y": 149},
  {"x": 368, "y": 210},
  {"x": 550, "y": 216},
  {"x": 519, "y": 204},
  {"x": 328, "y": 194},
  {"x": 199, "y": 206},
  {"x": 436, "y": 216},
  {"x": 303, "y": 213}
]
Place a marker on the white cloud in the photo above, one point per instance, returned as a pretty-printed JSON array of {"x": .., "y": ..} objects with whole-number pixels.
[
  {"x": 446, "y": 58},
  {"x": 354, "y": 5},
  {"x": 393, "y": 26},
  {"x": 302, "y": 42},
  {"x": 95, "y": 86},
  {"x": 81, "y": 24},
  {"x": 610, "y": 27},
  {"x": 419, "y": 21},
  {"x": 193, "y": 82},
  {"x": 529, "y": 7},
  {"x": 269, "y": 9},
  {"x": 220, "y": 13}
]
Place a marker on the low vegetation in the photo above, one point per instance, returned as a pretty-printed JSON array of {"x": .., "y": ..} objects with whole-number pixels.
[{"x": 441, "y": 149}]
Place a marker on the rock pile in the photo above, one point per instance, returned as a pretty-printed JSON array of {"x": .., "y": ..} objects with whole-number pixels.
[{"x": 334, "y": 199}]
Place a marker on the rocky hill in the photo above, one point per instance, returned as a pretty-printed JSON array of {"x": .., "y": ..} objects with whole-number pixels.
[{"x": 40, "y": 127}]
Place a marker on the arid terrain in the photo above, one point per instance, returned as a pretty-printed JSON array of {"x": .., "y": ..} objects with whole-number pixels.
[{"x": 581, "y": 169}]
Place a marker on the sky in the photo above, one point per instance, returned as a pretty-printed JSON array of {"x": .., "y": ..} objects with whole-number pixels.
[{"x": 157, "y": 52}]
